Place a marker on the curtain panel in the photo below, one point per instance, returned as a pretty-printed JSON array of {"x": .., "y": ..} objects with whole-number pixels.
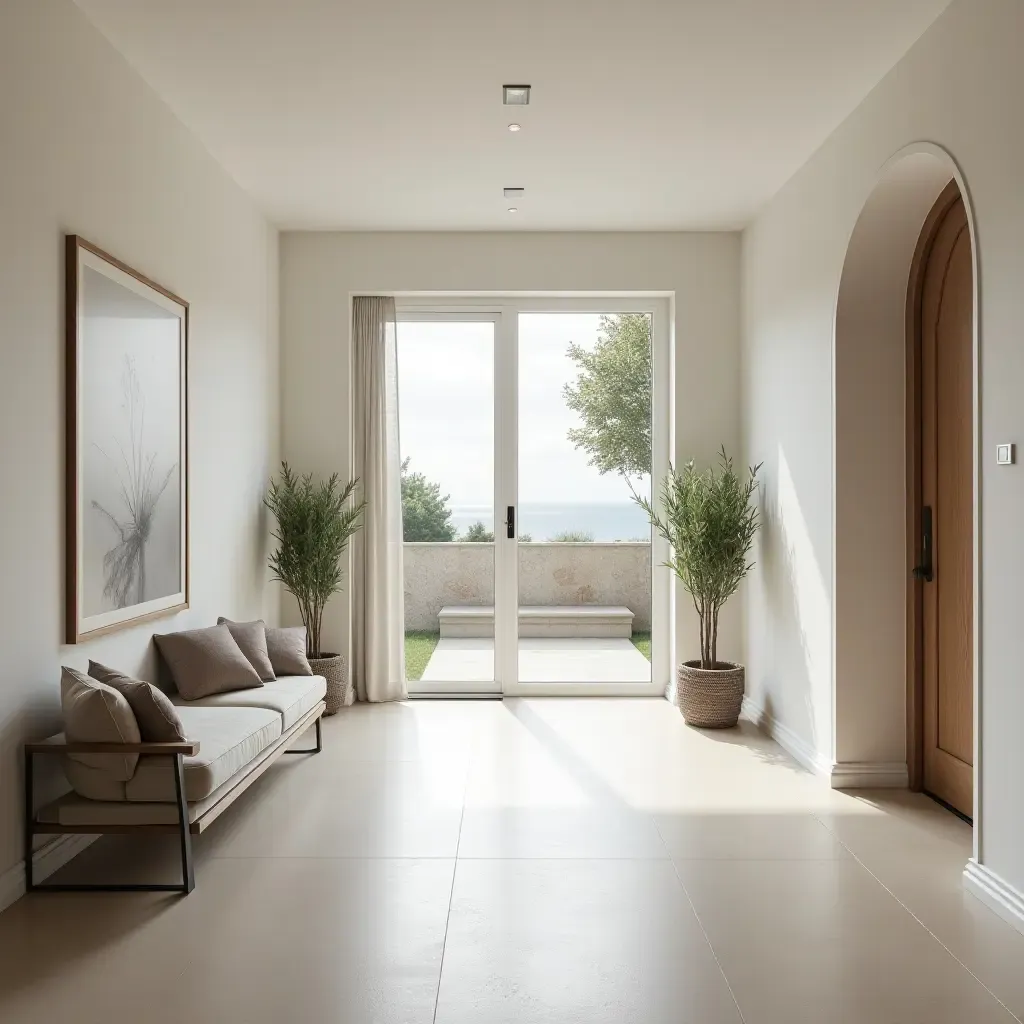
[{"x": 378, "y": 647}]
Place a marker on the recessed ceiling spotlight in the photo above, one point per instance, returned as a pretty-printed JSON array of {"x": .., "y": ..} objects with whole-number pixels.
[
  {"x": 515, "y": 127},
  {"x": 515, "y": 95},
  {"x": 513, "y": 209}
]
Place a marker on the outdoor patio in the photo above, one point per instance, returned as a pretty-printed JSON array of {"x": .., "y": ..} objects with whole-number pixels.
[
  {"x": 541, "y": 660},
  {"x": 584, "y": 612}
]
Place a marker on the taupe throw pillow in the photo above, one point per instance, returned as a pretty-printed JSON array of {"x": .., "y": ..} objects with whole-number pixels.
[
  {"x": 158, "y": 721},
  {"x": 97, "y": 713},
  {"x": 286, "y": 646},
  {"x": 206, "y": 661},
  {"x": 252, "y": 638}
]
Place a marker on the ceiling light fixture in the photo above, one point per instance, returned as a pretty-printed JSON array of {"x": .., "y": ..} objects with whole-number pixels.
[
  {"x": 514, "y": 193},
  {"x": 513, "y": 209},
  {"x": 515, "y": 95},
  {"x": 515, "y": 127}
]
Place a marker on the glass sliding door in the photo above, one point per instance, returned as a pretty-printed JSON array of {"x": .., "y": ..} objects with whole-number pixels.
[
  {"x": 446, "y": 438},
  {"x": 584, "y": 561},
  {"x": 527, "y": 427}
]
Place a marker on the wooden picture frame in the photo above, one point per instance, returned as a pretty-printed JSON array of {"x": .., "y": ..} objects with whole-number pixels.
[{"x": 126, "y": 445}]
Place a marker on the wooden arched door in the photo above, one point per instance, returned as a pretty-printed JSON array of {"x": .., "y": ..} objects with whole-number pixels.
[{"x": 945, "y": 336}]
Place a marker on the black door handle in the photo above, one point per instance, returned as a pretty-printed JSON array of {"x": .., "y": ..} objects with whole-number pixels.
[
  {"x": 510, "y": 522},
  {"x": 925, "y": 571}
]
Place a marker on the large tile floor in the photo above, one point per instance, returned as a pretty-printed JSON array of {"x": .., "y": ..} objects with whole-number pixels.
[{"x": 548, "y": 862}]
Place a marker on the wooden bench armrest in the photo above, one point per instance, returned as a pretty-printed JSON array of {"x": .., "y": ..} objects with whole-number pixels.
[{"x": 63, "y": 746}]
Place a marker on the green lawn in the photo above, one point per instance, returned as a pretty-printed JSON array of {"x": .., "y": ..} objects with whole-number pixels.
[
  {"x": 642, "y": 642},
  {"x": 419, "y": 646}
]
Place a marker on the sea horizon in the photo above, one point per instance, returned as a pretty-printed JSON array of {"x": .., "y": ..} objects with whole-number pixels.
[{"x": 541, "y": 521}]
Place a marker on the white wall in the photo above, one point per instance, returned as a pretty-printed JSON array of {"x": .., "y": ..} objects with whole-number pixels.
[
  {"x": 88, "y": 148},
  {"x": 959, "y": 87},
  {"x": 321, "y": 271}
]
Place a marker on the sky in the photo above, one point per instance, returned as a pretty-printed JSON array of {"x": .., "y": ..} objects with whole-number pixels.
[{"x": 446, "y": 410}]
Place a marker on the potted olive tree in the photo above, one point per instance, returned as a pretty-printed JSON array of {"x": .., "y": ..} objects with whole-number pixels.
[
  {"x": 710, "y": 522},
  {"x": 314, "y": 525}
]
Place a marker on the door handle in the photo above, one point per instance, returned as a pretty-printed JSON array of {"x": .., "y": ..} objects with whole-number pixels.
[
  {"x": 510, "y": 522},
  {"x": 925, "y": 571}
]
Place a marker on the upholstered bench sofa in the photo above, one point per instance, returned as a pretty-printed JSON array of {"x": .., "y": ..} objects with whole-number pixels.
[{"x": 177, "y": 788}]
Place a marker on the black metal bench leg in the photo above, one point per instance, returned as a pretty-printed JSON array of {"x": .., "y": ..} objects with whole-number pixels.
[
  {"x": 29, "y": 818},
  {"x": 319, "y": 742},
  {"x": 188, "y": 877}
]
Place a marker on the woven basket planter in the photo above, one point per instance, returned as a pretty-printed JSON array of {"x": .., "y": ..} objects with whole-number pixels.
[
  {"x": 710, "y": 698},
  {"x": 340, "y": 693}
]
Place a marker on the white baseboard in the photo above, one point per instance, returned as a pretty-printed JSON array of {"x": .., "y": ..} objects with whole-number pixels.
[
  {"x": 869, "y": 775},
  {"x": 793, "y": 744},
  {"x": 50, "y": 857},
  {"x": 841, "y": 774},
  {"x": 996, "y": 893}
]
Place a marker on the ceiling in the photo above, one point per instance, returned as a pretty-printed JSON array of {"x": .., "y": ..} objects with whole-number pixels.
[{"x": 387, "y": 114}]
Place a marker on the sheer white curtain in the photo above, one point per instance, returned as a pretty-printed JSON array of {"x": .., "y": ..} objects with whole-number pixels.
[{"x": 378, "y": 646}]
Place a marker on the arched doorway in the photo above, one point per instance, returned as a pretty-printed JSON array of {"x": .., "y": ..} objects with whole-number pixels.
[
  {"x": 940, "y": 417},
  {"x": 882, "y": 650}
]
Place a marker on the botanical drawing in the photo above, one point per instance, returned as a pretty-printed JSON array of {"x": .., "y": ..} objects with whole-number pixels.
[{"x": 124, "y": 565}]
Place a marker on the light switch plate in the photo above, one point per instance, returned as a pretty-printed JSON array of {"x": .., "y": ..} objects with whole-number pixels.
[{"x": 1006, "y": 454}]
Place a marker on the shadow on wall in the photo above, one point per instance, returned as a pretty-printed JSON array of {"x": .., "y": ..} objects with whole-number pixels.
[
  {"x": 790, "y": 596},
  {"x": 827, "y": 605}
]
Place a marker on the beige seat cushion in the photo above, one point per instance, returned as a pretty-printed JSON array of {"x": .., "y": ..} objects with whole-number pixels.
[
  {"x": 290, "y": 696},
  {"x": 229, "y": 738},
  {"x": 71, "y": 809}
]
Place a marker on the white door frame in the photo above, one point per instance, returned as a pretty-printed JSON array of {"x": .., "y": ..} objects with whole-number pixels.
[
  {"x": 503, "y": 311},
  {"x": 445, "y": 312}
]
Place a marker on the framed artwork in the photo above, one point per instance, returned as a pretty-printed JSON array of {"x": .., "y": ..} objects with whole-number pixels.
[{"x": 127, "y": 522}]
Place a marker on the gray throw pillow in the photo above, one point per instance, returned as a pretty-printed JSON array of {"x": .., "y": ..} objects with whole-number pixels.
[
  {"x": 252, "y": 638},
  {"x": 206, "y": 661},
  {"x": 155, "y": 714},
  {"x": 286, "y": 646},
  {"x": 97, "y": 713}
]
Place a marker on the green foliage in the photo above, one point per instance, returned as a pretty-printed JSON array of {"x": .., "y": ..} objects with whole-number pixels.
[
  {"x": 425, "y": 512},
  {"x": 573, "y": 537},
  {"x": 419, "y": 646},
  {"x": 710, "y": 522},
  {"x": 314, "y": 525},
  {"x": 612, "y": 396},
  {"x": 479, "y": 534}
]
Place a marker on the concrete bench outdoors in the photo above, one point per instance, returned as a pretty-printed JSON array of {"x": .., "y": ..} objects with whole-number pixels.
[{"x": 538, "y": 621}]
